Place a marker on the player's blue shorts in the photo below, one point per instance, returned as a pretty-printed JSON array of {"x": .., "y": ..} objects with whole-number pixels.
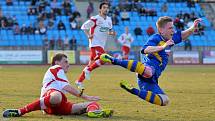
[
  {"x": 151, "y": 84},
  {"x": 155, "y": 71},
  {"x": 154, "y": 87}
]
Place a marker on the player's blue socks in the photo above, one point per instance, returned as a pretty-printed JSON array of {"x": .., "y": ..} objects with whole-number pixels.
[
  {"x": 132, "y": 65},
  {"x": 149, "y": 96}
]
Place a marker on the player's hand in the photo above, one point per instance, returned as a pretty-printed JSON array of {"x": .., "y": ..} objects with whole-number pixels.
[
  {"x": 113, "y": 33},
  {"x": 90, "y": 37},
  {"x": 91, "y": 98},
  {"x": 195, "y": 24},
  {"x": 168, "y": 43}
]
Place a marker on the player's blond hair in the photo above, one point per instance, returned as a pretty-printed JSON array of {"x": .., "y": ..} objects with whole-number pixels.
[{"x": 162, "y": 21}]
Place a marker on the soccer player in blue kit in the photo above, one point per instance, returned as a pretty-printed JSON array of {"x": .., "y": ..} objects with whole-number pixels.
[{"x": 155, "y": 61}]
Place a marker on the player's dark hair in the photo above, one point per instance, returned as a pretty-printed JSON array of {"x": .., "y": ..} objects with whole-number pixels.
[
  {"x": 58, "y": 57},
  {"x": 103, "y": 3},
  {"x": 162, "y": 21}
]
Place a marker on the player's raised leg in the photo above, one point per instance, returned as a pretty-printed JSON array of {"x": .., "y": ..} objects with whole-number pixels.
[
  {"x": 97, "y": 63},
  {"x": 86, "y": 73},
  {"x": 94, "y": 63},
  {"x": 81, "y": 78},
  {"x": 149, "y": 96},
  {"x": 95, "y": 60},
  {"x": 132, "y": 65}
]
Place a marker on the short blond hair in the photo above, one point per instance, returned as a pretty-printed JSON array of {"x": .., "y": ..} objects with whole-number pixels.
[{"x": 162, "y": 21}]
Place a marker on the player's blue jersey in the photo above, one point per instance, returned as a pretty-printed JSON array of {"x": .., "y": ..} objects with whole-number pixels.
[{"x": 159, "y": 59}]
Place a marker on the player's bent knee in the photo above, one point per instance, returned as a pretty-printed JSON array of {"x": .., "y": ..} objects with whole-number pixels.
[
  {"x": 165, "y": 99},
  {"x": 148, "y": 72},
  {"x": 55, "y": 98}
]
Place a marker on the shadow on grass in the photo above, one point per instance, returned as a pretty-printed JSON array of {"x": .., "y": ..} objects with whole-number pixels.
[{"x": 71, "y": 118}]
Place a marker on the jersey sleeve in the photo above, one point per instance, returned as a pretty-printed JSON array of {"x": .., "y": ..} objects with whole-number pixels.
[
  {"x": 62, "y": 79},
  {"x": 88, "y": 24},
  {"x": 152, "y": 41},
  {"x": 177, "y": 37}
]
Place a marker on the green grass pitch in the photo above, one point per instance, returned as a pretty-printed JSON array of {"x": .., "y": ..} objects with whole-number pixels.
[{"x": 191, "y": 90}]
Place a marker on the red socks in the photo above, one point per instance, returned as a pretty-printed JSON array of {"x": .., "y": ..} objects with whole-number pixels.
[
  {"x": 30, "y": 107},
  {"x": 35, "y": 105}
]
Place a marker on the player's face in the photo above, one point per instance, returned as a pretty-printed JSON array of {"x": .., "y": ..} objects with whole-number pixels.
[
  {"x": 168, "y": 30},
  {"x": 64, "y": 63},
  {"x": 104, "y": 10}
]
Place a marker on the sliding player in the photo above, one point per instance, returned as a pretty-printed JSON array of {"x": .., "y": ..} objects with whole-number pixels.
[{"x": 53, "y": 99}]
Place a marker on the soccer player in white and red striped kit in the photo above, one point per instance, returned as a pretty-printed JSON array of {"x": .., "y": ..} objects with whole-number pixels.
[
  {"x": 53, "y": 99},
  {"x": 125, "y": 40},
  {"x": 97, "y": 29}
]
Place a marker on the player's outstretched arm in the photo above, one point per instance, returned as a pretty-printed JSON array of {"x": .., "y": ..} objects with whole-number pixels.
[
  {"x": 153, "y": 49},
  {"x": 77, "y": 93},
  {"x": 186, "y": 33}
]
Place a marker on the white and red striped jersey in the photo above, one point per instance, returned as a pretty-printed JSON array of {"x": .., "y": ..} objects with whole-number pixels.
[
  {"x": 99, "y": 28},
  {"x": 54, "y": 78},
  {"x": 126, "y": 39}
]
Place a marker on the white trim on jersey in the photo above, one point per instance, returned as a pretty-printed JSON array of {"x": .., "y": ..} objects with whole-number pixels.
[
  {"x": 98, "y": 28},
  {"x": 55, "y": 78}
]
